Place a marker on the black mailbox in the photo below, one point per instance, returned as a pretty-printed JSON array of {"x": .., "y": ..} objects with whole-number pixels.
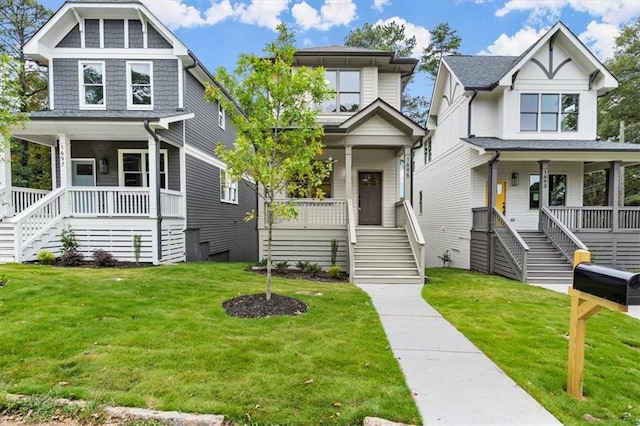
[{"x": 612, "y": 284}]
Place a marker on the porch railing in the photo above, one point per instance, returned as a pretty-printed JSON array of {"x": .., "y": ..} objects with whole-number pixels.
[
  {"x": 405, "y": 217},
  {"x": 109, "y": 201},
  {"x": 560, "y": 234},
  {"x": 480, "y": 217},
  {"x": 171, "y": 203},
  {"x": 512, "y": 242},
  {"x": 598, "y": 218},
  {"x": 351, "y": 239},
  {"x": 23, "y": 198},
  {"x": 317, "y": 213}
]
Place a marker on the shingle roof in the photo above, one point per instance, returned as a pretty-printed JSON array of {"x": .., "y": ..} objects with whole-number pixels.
[
  {"x": 104, "y": 115},
  {"x": 496, "y": 144},
  {"x": 480, "y": 72},
  {"x": 346, "y": 49}
]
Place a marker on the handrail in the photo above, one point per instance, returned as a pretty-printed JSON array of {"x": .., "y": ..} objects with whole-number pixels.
[
  {"x": 560, "y": 235},
  {"x": 515, "y": 246},
  {"x": 416, "y": 240},
  {"x": 352, "y": 240}
]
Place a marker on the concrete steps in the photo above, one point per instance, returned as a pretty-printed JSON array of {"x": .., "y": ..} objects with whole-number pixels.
[
  {"x": 545, "y": 264},
  {"x": 384, "y": 256}
]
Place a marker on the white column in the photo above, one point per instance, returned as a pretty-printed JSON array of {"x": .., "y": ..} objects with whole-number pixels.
[
  {"x": 54, "y": 170},
  {"x": 64, "y": 146},
  {"x": 347, "y": 173},
  {"x": 6, "y": 208},
  {"x": 407, "y": 173}
]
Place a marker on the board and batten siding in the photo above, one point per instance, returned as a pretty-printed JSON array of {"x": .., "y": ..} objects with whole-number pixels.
[
  {"x": 479, "y": 248},
  {"x": 389, "y": 89},
  {"x": 446, "y": 207}
]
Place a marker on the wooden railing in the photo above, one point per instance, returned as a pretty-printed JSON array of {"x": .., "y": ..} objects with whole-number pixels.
[
  {"x": 23, "y": 198},
  {"x": 351, "y": 239},
  {"x": 171, "y": 203},
  {"x": 605, "y": 218},
  {"x": 512, "y": 242},
  {"x": 406, "y": 218},
  {"x": 329, "y": 212},
  {"x": 109, "y": 201},
  {"x": 480, "y": 217},
  {"x": 560, "y": 235}
]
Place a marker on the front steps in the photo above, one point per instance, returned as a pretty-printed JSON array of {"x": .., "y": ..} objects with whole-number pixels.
[
  {"x": 545, "y": 264},
  {"x": 384, "y": 256},
  {"x": 7, "y": 238}
]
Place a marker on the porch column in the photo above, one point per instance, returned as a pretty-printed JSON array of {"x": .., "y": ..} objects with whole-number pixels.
[
  {"x": 348, "y": 180},
  {"x": 6, "y": 207},
  {"x": 407, "y": 173},
  {"x": 492, "y": 181},
  {"x": 54, "y": 169},
  {"x": 64, "y": 147},
  {"x": 543, "y": 191},
  {"x": 613, "y": 193},
  {"x": 153, "y": 179}
]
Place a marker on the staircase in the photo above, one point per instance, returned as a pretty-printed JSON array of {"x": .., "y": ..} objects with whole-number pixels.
[
  {"x": 6, "y": 242},
  {"x": 545, "y": 264},
  {"x": 384, "y": 256}
]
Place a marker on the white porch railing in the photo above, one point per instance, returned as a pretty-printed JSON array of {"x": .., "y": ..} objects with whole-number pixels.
[
  {"x": 171, "y": 204},
  {"x": 316, "y": 213},
  {"x": 512, "y": 242},
  {"x": 119, "y": 201},
  {"x": 23, "y": 198},
  {"x": 405, "y": 217},
  {"x": 351, "y": 239},
  {"x": 560, "y": 234},
  {"x": 598, "y": 218}
]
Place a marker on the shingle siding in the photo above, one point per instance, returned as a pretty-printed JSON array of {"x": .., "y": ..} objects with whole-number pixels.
[
  {"x": 72, "y": 39},
  {"x": 65, "y": 83},
  {"x": 165, "y": 82},
  {"x": 135, "y": 34},
  {"x": 113, "y": 33},
  {"x": 116, "y": 89},
  {"x": 91, "y": 33},
  {"x": 155, "y": 40}
]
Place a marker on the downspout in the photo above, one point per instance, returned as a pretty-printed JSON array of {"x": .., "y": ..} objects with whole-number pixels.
[
  {"x": 413, "y": 148},
  {"x": 157, "y": 188},
  {"x": 475, "y": 93},
  {"x": 491, "y": 201}
]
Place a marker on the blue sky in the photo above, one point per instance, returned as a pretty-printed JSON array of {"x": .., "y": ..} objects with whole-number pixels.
[{"x": 218, "y": 30}]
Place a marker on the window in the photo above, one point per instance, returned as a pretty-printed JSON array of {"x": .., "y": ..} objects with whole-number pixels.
[
  {"x": 401, "y": 180},
  {"x": 549, "y": 112},
  {"x": 427, "y": 151},
  {"x": 92, "y": 85},
  {"x": 139, "y": 82},
  {"x": 302, "y": 188},
  {"x": 557, "y": 190},
  {"x": 420, "y": 202},
  {"x": 346, "y": 84},
  {"x": 228, "y": 189},
  {"x": 133, "y": 167},
  {"x": 221, "y": 116}
]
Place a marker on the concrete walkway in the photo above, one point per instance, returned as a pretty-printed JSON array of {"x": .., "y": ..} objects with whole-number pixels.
[{"x": 452, "y": 381}]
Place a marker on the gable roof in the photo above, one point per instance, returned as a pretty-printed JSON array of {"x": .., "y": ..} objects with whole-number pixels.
[
  {"x": 381, "y": 108},
  {"x": 479, "y": 72}
]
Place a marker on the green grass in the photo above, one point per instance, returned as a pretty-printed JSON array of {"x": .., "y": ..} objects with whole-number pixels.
[
  {"x": 159, "y": 338},
  {"x": 524, "y": 330}
]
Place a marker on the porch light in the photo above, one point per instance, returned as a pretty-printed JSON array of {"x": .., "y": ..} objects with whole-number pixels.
[
  {"x": 103, "y": 166},
  {"x": 515, "y": 179}
]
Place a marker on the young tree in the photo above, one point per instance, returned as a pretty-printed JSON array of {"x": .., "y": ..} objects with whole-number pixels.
[
  {"x": 10, "y": 96},
  {"x": 444, "y": 41},
  {"x": 278, "y": 136}
]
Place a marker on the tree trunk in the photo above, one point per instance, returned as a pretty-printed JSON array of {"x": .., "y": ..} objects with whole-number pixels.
[{"x": 269, "y": 236}]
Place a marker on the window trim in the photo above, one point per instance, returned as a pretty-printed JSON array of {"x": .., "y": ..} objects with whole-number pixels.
[
  {"x": 222, "y": 116},
  {"x": 338, "y": 91},
  {"x": 81, "y": 86},
  {"x": 145, "y": 182},
  {"x": 559, "y": 114},
  {"x": 130, "y": 104},
  {"x": 226, "y": 182}
]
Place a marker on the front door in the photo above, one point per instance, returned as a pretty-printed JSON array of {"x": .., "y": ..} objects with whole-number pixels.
[
  {"x": 501, "y": 196},
  {"x": 83, "y": 172},
  {"x": 370, "y": 198}
]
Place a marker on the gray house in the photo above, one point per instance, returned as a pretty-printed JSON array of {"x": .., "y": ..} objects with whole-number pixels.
[{"x": 132, "y": 145}]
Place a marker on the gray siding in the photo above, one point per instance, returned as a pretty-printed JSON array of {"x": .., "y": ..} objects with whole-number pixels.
[
  {"x": 155, "y": 40},
  {"x": 113, "y": 33},
  {"x": 116, "y": 84},
  {"x": 72, "y": 39},
  {"x": 91, "y": 33},
  {"x": 203, "y": 132},
  {"x": 165, "y": 82},
  {"x": 218, "y": 226},
  {"x": 174, "y": 133},
  {"x": 616, "y": 249},
  {"x": 479, "y": 251},
  {"x": 65, "y": 83},
  {"x": 135, "y": 35},
  {"x": 502, "y": 263}
]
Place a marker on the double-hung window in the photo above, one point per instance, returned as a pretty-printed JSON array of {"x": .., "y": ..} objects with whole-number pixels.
[
  {"x": 221, "y": 116},
  {"x": 549, "y": 112},
  {"x": 133, "y": 168},
  {"x": 346, "y": 84},
  {"x": 228, "y": 189},
  {"x": 140, "y": 85},
  {"x": 92, "y": 85}
]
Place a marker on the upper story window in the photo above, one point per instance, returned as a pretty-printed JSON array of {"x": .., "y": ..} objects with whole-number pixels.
[
  {"x": 140, "y": 85},
  {"x": 549, "y": 112},
  {"x": 228, "y": 189},
  {"x": 427, "y": 151},
  {"x": 92, "y": 93},
  {"x": 221, "y": 116},
  {"x": 346, "y": 84}
]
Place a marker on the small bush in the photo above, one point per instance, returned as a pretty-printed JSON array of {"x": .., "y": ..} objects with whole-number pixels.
[
  {"x": 302, "y": 265},
  {"x": 137, "y": 247},
  {"x": 46, "y": 257},
  {"x": 334, "y": 272},
  {"x": 334, "y": 251},
  {"x": 103, "y": 259},
  {"x": 70, "y": 255},
  {"x": 314, "y": 269},
  {"x": 282, "y": 266},
  {"x": 262, "y": 263},
  {"x": 72, "y": 258}
]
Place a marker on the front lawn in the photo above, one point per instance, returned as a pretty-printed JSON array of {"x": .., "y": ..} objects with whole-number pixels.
[
  {"x": 524, "y": 330},
  {"x": 159, "y": 338}
]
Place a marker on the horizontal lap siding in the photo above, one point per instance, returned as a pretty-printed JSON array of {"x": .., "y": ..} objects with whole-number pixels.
[
  {"x": 619, "y": 250},
  {"x": 305, "y": 245},
  {"x": 173, "y": 241},
  {"x": 389, "y": 88},
  {"x": 479, "y": 251}
]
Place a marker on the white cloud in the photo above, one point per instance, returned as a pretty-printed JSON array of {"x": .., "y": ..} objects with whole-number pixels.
[
  {"x": 516, "y": 44},
  {"x": 608, "y": 11},
  {"x": 261, "y": 13},
  {"x": 601, "y": 39},
  {"x": 218, "y": 12},
  {"x": 423, "y": 36},
  {"x": 379, "y": 5},
  {"x": 332, "y": 13},
  {"x": 175, "y": 14}
]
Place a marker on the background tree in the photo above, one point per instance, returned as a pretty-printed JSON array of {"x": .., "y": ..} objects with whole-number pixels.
[
  {"x": 278, "y": 136},
  {"x": 19, "y": 20},
  {"x": 390, "y": 37},
  {"x": 10, "y": 95},
  {"x": 444, "y": 41}
]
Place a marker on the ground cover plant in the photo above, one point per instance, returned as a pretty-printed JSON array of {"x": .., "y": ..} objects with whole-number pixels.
[
  {"x": 524, "y": 330},
  {"x": 159, "y": 338}
]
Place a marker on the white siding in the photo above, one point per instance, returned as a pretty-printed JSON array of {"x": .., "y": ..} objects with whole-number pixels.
[
  {"x": 446, "y": 207},
  {"x": 369, "y": 85},
  {"x": 378, "y": 160},
  {"x": 389, "y": 89},
  {"x": 377, "y": 126}
]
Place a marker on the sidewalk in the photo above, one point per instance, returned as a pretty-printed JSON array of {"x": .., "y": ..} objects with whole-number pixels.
[{"x": 453, "y": 382}]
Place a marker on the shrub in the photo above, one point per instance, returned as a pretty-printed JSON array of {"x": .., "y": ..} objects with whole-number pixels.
[
  {"x": 334, "y": 272},
  {"x": 282, "y": 266},
  {"x": 334, "y": 251},
  {"x": 46, "y": 257},
  {"x": 302, "y": 265},
  {"x": 72, "y": 258},
  {"x": 70, "y": 255},
  {"x": 103, "y": 259},
  {"x": 137, "y": 247},
  {"x": 262, "y": 263},
  {"x": 314, "y": 269}
]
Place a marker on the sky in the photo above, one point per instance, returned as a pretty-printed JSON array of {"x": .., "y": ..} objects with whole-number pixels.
[{"x": 217, "y": 31}]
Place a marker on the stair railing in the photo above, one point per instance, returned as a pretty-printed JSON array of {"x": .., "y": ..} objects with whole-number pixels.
[
  {"x": 512, "y": 242},
  {"x": 405, "y": 217},
  {"x": 352, "y": 240},
  {"x": 36, "y": 219},
  {"x": 560, "y": 235}
]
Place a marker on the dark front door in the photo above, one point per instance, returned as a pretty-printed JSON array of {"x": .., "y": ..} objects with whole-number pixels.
[{"x": 370, "y": 198}]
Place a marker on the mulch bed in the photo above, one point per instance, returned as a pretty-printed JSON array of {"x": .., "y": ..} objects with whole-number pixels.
[
  {"x": 257, "y": 306},
  {"x": 300, "y": 275}
]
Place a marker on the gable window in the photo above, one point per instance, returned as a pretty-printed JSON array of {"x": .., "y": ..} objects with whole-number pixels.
[
  {"x": 92, "y": 85},
  {"x": 228, "y": 189},
  {"x": 346, "y": 84},
  {"x": 221, "y": 116},
  {"x": 549, "y": 112},
  {"x": 140, "y": 85},
  {"x": 133, "y": 167},
  {"x": 557, "y": 191}
]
